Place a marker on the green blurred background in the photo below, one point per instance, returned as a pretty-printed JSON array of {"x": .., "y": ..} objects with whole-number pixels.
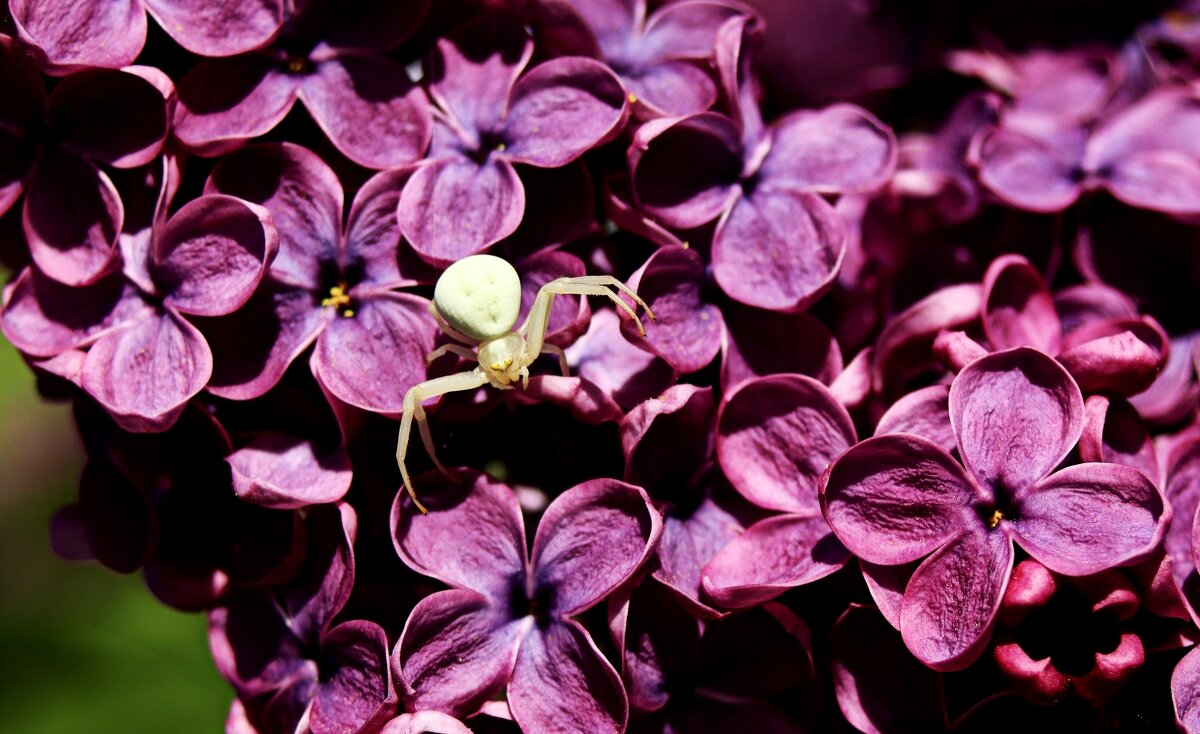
[{"x": 82, "y": 649}]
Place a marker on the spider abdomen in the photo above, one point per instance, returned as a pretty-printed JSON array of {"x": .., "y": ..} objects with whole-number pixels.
[{"x": 480, "y": 296}]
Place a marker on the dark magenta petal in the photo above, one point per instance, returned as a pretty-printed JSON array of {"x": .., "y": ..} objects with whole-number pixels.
[
  {"x": 671, "y": 88},
  {"x": 472, "y": 73},
  {"x": 606, "y": 359},
  {"x": 886, "y": 585},
  {"x": 1174, "y": 392},
  {"x": 1182, "y": 469},
  {"x": 1185, "y": 691},
  {"x": 358, "y": 687},
  {"x": 951, "y": 601},
  {"x": 669, "y": 439},
  {"x": 570, "y": 314},
  {"x": 955, "y": 350},
  {"x": 253, "y": 346},
  {"x": 372, "y": 25},
  {"x": 490, "y": 559},
  {"x": 211, "y": 255},
  {"x": 285, "y": 472},
  {"x": 1163, "y": 180},
  {"x": 586, "y": 401},
  {"x": 1016, "y": 414},
  {"x": 924, "y": 412},
  {"x": 880, "y": 687},
  {"x": 115, "y": 32},
  {"x": 113, "y": 117},
  {"x": 225, "y": 102},
  {"x": 686, "y": 29},
  {"x": 1122, "y": 356},
  {"x": 1114, "y": 432},
  {"x": 72, "y": 219},
  {"x": 892, "y": 499},
  {"x": 775, "y": 437},
  {"x": 452, "y": 207},
  {"x": 369, "y": 109},
  {"x": 425, "y": 722},
  {"x": 221, "y": 28},
  {"x": 904, "y": 347},
  {"x": 1091, "y": 302},
  {"x": 1017, "y": 308},
  {"x": 762, "y": 343},
  {"x": 373, "y": 234},
  {"x": 252, "y": 645},
  {"x": 314, "y": 598},
  {"x": 685, "y": 172},
  {"x": 145, "y": 373},
  {"x": 561, "y": 109},
  {"x": 44, "y": 318},
  {"x": 590, "y": 540},
  {"x": 457, "y": 650},
  {"x": 772, "y": 556},
  {"x": 370, "y": 360},
  {"x": 687, "y": 331},
  {"x": 304, "y": 197},
  {"x": 1028, "y": 171},
  {"x": 1090, "y": 517},
  {"x": 839, "y": 149},
  {"x": 658, "y": 639},
  {"x": 562, "y": 683},
  {"x": 778, "y": 249}
]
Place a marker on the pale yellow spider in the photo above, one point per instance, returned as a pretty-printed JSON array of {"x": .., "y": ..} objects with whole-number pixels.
[{"x": 477, "y": 301}]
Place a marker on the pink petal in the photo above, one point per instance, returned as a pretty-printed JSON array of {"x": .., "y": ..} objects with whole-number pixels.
[
  {"x": 284, "y": 472},
  {"x": 1123, "y": 356},
  {"x": 924, "y": 412},
  {"x": 1016, "y": 414},
  {"x": 1090, "y": 517},
  {"x": 114, "y": 117},
  {"x": 562, "y": 683},
  {"x": 762, "y": 342},
  {"x": 892, "y": 499},
  {"x": 72, "y": 218},
  {"x": 225, "y": 102},
  {"x": 425, "y": 722},
  {"x": 772, "y": 556},
  {"x": 221, "y": 28},
  {"x": 1185, "y": 691},
  {"x": 779, "y": 249},
  {"x": 1031, "y": 171},
  {"x": 951, "y": 602},
  {"x": 115, "y": 33},
  {"x": 775, "y": 437},
  {"x": 1114, "y": 432},
  {"x": 359, "y": 691},
  {"x": 369, "y": 109},
  {"x": 903, "y": 349},
  {"x": 44, "y": 318},
  {"x": 840, "y": 149},
  {"x": 590, "y": 541},
  {"x": 1017, "y": 308}
]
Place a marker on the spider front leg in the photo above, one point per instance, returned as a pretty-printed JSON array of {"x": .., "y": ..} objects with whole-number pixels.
[
  {"x": 412, "y": 408},
  {"x": 534, "y": 328}
]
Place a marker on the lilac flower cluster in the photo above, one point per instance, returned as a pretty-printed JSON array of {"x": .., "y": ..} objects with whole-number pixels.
[{"x": 913, "y": 443}]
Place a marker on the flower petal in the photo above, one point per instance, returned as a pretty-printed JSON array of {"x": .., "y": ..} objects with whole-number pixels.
[
  {"x": 369, "y": 109},
  {"x": 1122, "y": 356},
  {"x": 452, "y": 207},
  {"x": 562, "y": 683},
  {"x": 561, "y": 109},
  {"x": 1031, "y": 171},
  {"x": 658, "y": 639},
  {"x": 590, "y": 540},
  {"x": 951, "y": 601},
  {"x": 457, "y": 651},
  {"x": 892, "y": 499},
  {"x": 113, "y": 117},
  {"x": 371, "y": 359},
  {"x": 285, "y": 472},
  {"x": 671, "y": 88},
  {"x": 923, "y": 412},
  {"x": 211, "y": 255},
  {"x": 72, "y": 219},
  {"x": 304, "y": 197},
  {"x": 221, "y": 28},
  {"x": 606, "y": 359},
  {"x": 44, "y": 318},
  {"x": 115, "y": 32},
  {"x": 144, "y": 374},
  {"x": 840, "y": 149},
  {"x": 1017, "y": 308},
  {"x": 425, "y": 722},
  {"x": 1090, "y": 517},
  {"x": 472, "y": 72},
  {"x": 772, "y": 556},
  {"x": 763, "y": 343},
  {"x": 1114, "y": 432},
  {"x": 779, "y": 249},
  {"x": 904, "y": 347},
  {"x": 225, "y": 102},
  {"x": 570, "y": 315},
  {"x": 668, "y": 440},
  {"x": 1016, "y": 414},
  {"x": 373, "y": 234},
  {"x": 1185, "y": 691},
  {"x": 489, "y": 559},
  {"x": 356, "y": 682},
  {"x": 775, "y": 437},
  {"x": 687, "y": 331}
]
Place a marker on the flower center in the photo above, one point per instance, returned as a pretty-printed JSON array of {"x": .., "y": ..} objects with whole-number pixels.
[
  {"x": 339, "y": 298},
  {"x": 298, "y": 65},
  {"x": 995, "y": 519}
]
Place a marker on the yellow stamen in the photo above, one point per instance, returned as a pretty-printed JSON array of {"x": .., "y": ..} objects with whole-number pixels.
[
  {"x": 297, "y": 65},
  {"x": 500, "y": 147},
  {"x": 338, "y": 297},
  {"x": 632, "y": 98},
  {"x": 995, "y": 519}
]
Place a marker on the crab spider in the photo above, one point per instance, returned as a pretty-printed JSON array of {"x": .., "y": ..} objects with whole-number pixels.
[{"x": 476, "y": 302}]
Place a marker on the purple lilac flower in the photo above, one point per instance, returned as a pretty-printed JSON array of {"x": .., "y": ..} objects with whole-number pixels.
[
  {"x": 54, "y": 146},
  {"x": 329, "y": 56},
  {"x": 331, "y": 284},
  {"x": 896, "y": 498},
  {"x": 467, "y": 195},
  {"x": 1185, "y": 691},
  {"x": 763, "y": 184},
  {"x": 664, "y": 61},
  {"x": 506, "y": 622},
  {"x": 116, "y": 29}
]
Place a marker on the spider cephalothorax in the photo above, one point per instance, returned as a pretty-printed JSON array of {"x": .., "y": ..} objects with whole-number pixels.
[{"x": 476, "y": 302}]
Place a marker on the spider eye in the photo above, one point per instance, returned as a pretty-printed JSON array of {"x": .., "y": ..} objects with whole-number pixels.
[{"x": 479, "y": 296}]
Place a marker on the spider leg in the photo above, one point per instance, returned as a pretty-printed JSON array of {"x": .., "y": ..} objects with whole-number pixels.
[
  {"x": 562, "y": 357},
  {"x": 613, "y": 282},
  {"x": 416, "y": 395},
  {"x": 458, "y": 349}
]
